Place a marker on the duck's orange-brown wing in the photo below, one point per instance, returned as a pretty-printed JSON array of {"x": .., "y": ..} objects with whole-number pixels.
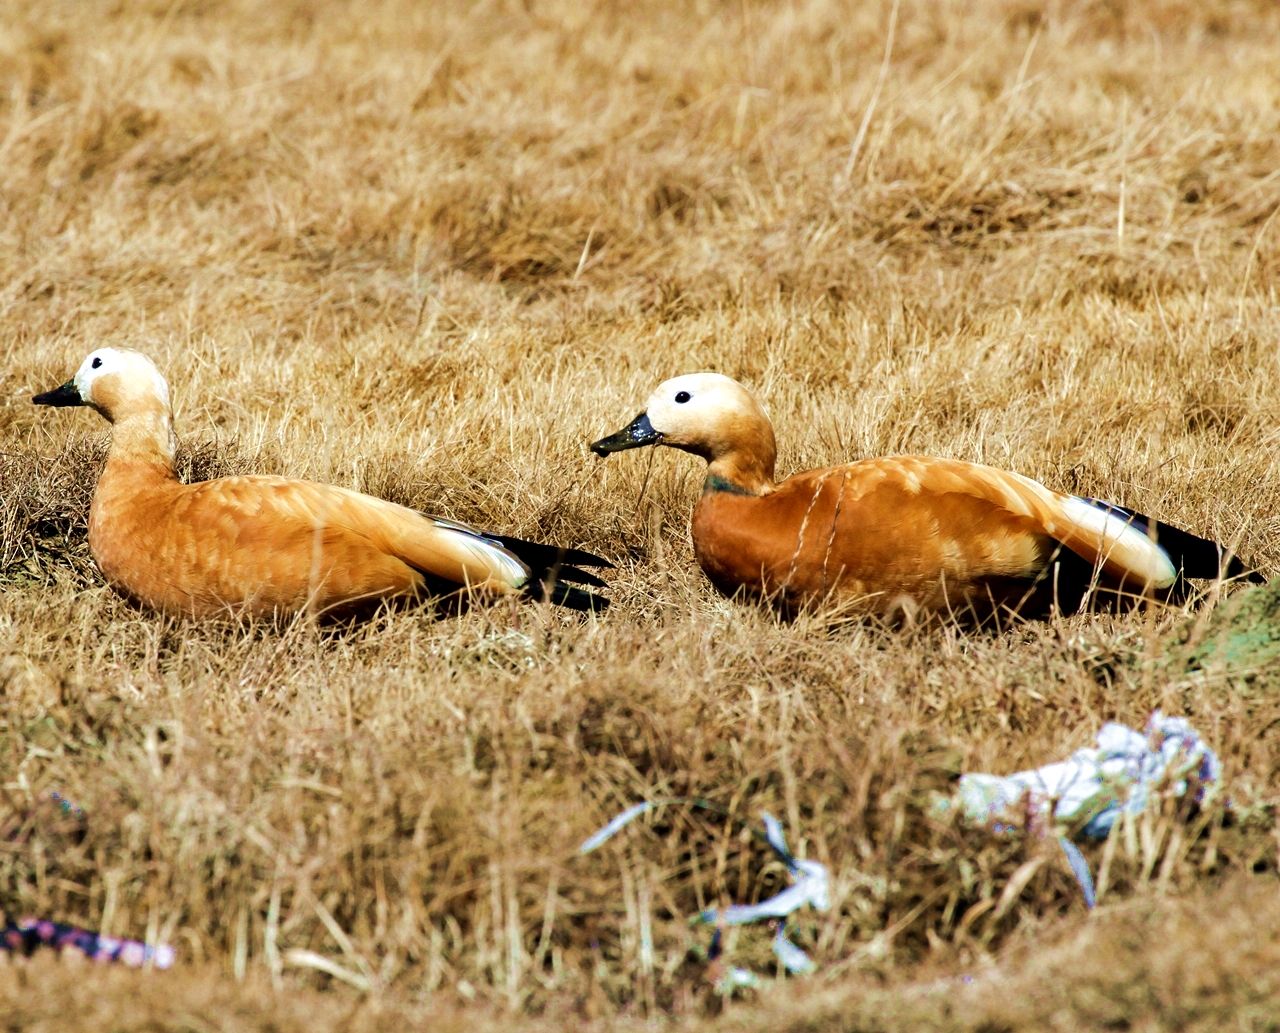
[
  {"x": 1103, "y": 536},
  {"x": 931, "y": 531},
  {"x": 265, "y": 543},
  {"x": 444, "y": 549}
]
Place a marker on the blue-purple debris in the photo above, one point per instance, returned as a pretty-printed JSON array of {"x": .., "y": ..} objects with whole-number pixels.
[
  {"x": 67, "y": 806},
  {"x": 26, "y": 935}
]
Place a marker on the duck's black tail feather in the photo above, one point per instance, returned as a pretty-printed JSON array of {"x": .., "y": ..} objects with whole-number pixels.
[
  {"x": 566, "y": 595},
  {"x": 552, "y": 567},
  {"x": 1192, "y": 555}
]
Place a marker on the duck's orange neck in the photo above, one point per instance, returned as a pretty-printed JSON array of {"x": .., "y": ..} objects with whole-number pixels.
[
  {"x": 746, "y": 466},
  {"x": 144, "y": 439}
]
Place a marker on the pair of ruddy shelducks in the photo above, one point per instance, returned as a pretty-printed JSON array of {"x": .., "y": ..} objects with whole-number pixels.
[{"x": 905, "y": 535}]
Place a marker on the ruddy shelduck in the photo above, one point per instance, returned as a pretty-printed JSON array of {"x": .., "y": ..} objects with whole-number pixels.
[
  {"x": 905, "y": 534},
  {"x": 262, "y": 544}
]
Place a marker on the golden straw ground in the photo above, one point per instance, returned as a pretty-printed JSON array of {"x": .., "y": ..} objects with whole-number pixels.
[{"x": 429, "y": 253}]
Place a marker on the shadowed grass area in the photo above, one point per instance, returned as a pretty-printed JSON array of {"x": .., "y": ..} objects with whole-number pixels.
[
  {"x": 430, "y": 252},
  {"x": 1207, "y": 963},
  {"x": 1150, "y": 963}
]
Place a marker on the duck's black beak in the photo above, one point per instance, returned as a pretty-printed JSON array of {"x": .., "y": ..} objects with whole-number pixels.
[
  {"x": 635, "y": 434},
  {"x": 67, "y": 394}
]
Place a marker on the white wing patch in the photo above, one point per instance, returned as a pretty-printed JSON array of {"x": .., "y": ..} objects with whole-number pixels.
[
  {"x": 1123, "y": 544},
  {"x": 505, "y": 565}
]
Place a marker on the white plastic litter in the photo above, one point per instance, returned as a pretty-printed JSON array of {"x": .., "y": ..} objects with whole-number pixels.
[
  {"x": 1083, "y": 795},
  {"x": 1087, "y": 792},
  {"x": 614, "y": 826},
  {"x": 736, "y": 977},
  {"x": 792, "y": 957},
  {"x": 809, "y": 886}
]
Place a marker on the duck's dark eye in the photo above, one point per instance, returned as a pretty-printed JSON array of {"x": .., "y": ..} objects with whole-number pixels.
[
  {"x": 97, "y": 361},
  {"x": 682, "y": 397}
]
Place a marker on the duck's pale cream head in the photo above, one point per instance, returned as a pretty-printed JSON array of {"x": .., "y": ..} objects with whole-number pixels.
[
  {"x": 711, "y": 416},
  {"x": 119, "y": 383}
]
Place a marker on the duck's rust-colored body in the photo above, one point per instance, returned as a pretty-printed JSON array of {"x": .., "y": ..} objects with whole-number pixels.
[
  {"x": 902, "y": 534},
  {"x": 263, "y": 544}
]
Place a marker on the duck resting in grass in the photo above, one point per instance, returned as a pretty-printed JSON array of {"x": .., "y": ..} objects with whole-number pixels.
[
  {"x": 906, "y": 534},
  {"x": 261, "y": 545}
]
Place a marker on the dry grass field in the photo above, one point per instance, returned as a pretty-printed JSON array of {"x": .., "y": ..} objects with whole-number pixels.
[{"x": 430, "y": 251}]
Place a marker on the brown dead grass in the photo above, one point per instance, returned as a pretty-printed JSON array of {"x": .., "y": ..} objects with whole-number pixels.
[
  {"x": 1144, "y": 965},
  {"x": 432, "y": 250}
]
